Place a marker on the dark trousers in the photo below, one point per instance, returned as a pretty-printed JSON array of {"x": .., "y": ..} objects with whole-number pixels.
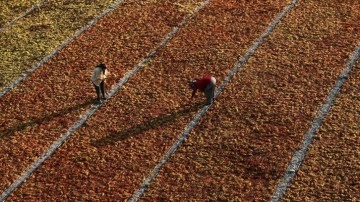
[
  {"x": 209, "y": 93},
  {"x": 100, "y": 88}
]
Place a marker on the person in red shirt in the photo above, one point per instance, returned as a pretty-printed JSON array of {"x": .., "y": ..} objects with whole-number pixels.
[{"x": 206, "y": 85}]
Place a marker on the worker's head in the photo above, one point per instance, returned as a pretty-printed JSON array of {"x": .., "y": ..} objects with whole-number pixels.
[
  {"x": 192, "y": 84},
  {"x": 102, "y": 66}
]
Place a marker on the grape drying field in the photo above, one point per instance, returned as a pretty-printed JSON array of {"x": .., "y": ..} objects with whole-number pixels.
[{"x": 284, "y": 125}]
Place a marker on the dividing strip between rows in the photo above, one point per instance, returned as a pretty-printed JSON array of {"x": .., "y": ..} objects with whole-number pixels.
[
  {"x": 153, "y": 174},
  {"x": 300, "y": 154},
  {"x": 9, "y": 24},
  {"x": 93, "y": 109}
]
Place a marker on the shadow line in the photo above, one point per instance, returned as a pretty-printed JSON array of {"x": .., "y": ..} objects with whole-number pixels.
[
  {"x": 147, "y": 125},
  {"x": 22, "y": 126}
]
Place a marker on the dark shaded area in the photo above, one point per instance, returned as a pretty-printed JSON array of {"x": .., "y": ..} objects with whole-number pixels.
[
  {"x": 22, "y": 126},
  {"x": 147, "y": 125}
]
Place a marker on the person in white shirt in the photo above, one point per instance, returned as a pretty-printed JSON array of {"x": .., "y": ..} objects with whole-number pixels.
[{"x": 98, "y": 79}]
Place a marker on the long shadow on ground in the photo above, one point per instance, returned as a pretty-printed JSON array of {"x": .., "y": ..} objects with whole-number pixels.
[
  {"x": 147, "y": 125},
  {"x": 8, "y": 131}
]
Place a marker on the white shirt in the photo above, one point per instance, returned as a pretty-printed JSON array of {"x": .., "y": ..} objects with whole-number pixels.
[{"x": 98, "y": 76}]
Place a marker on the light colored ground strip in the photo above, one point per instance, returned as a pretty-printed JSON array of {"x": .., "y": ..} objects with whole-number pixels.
[
  {"x": 299, "y": 155},
  {"x": 46, "y": 58},
  {"x": 137, "y": 195},
  {"x": 22, "y": 15},
  {"x": 93, "y": 109}
]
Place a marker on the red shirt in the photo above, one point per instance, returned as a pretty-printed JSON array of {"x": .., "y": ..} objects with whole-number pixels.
[{"x": 201, "y": 84}]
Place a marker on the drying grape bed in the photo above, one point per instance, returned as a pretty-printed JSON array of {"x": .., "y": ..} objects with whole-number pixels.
[
  {"x": 240, "y": 149},
  {"x": 37, "y": 34}
]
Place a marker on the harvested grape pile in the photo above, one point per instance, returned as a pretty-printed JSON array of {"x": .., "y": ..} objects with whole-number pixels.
[{"x": 243, "y": 143}]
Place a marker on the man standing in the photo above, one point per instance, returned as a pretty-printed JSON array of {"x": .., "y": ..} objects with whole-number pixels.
[
  {"x": 98, "y": 79},
  {"x": 206, "y": 85}
]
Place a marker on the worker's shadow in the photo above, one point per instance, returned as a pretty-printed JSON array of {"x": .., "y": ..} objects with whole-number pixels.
[
  {"x": 9, "y": 131},
  {"x": 147, "y": 125}
]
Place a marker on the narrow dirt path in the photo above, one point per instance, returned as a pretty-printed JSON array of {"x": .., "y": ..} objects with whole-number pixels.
[
  {"x": 11, "y": 10},
  {"x": 45, "y": 105},
  {"x": 121, "y": 143},
  {"x": 331, "y": 169},
  {"x": 243, "y": 145}
]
